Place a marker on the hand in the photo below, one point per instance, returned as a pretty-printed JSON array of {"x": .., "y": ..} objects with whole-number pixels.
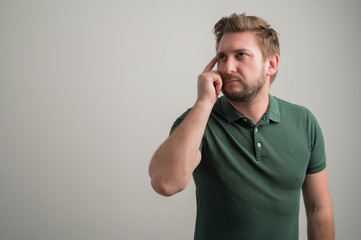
[{"x": 209, "y": 83}]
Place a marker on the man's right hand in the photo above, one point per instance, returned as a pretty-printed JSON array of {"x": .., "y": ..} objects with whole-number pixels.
[
  {"x": 172, "y": 165},
  {"x": 209, "y": 83}
]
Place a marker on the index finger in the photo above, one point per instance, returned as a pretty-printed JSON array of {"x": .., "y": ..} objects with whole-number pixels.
[{"x": 210, "y": 65}]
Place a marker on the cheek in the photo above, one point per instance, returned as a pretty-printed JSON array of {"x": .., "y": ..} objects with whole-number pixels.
[
  {"x": 219, "y": 66},
  {"x": 248, "y": 70},
  {"x": 220, "y": 69}
]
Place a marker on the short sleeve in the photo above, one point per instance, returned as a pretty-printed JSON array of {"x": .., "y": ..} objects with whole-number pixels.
[
  {"x": 178, "y": 122},
  {"x": 317, "y": 161}
]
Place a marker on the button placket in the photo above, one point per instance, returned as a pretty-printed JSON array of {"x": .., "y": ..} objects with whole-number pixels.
[{"x": 258, "y": 144}]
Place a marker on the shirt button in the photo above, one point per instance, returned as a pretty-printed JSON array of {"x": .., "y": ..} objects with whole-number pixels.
[
  {"x": 259, "y": 144},
  {"x": 256, "y": 129}
]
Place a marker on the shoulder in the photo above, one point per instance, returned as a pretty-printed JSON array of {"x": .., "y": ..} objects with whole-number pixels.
[
  {"x": 290, "y": 107},
  {"x": 300, "y": 118},
  {"x": 218, "y": 111},
  {"x": 294, "y": 111}
]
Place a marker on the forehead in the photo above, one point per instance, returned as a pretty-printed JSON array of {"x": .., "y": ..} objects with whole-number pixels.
[{"x": 240, "y": 40}]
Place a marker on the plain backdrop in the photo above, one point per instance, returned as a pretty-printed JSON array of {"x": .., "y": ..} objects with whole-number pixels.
[{"x": 90, "y": 89}]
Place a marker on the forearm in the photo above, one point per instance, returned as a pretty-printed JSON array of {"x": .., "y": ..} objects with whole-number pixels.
[
  {"x": 320, "y": 224},
  {"x": 173, "y": 163}
]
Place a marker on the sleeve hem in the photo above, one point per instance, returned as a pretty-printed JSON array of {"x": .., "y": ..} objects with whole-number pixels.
[{"x": 316, "y": 169}]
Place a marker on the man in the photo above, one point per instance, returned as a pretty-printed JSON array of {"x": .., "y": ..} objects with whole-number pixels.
[{"x": 249, "y": 152}]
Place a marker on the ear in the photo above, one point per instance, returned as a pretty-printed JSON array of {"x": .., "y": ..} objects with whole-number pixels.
[{"x": 273, "y": 62}]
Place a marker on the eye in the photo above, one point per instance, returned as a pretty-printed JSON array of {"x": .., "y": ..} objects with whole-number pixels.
[
  {"x": 222, "y": 57},
  {"x": 241, "y": 55}
]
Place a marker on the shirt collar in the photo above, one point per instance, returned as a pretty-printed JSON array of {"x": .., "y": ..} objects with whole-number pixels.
[
  {"x": 273, "y": 109},
  {"x": 272, "y": 113}
]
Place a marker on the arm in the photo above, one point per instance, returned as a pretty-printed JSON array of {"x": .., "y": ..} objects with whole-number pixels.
[
  {"x": 174, "y": 161},
  {"x": 318, "y": 206}
]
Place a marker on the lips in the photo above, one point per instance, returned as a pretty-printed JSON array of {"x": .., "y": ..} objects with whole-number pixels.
[
  {"x": 230, "y": 78},
  {"x": 231, "y": 81}
]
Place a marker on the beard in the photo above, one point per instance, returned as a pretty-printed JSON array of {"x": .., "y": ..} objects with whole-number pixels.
[{"x": 249, "y": 91}]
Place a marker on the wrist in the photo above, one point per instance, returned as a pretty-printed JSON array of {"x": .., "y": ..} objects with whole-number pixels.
[{"x": 204, "y": 104}]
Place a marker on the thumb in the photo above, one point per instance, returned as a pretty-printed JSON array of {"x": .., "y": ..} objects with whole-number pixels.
[{"x": 218, "y": 86}]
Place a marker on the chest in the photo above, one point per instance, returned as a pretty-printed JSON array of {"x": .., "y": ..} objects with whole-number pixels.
[{"x": 267, "y": 159}]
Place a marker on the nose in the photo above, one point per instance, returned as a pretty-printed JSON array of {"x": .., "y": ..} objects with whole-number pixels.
[{"x": 229, "y": 66}]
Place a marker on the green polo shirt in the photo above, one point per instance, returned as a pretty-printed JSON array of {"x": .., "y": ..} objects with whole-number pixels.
[{"x": 249, "y": 179}]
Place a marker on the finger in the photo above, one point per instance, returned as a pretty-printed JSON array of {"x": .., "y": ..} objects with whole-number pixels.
[
  {"x": 210, "y": 65},
  {"x": 218, "y": 86}
]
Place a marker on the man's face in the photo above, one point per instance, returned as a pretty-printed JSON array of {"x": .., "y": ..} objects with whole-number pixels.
[{"x": 241, "y": 65}]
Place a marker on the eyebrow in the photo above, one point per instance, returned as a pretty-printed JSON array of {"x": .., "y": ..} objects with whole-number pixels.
[{"x": 233, "y": 51}]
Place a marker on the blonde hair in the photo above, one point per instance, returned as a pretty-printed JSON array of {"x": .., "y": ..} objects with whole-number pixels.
[{"x": 267, "y": 36}]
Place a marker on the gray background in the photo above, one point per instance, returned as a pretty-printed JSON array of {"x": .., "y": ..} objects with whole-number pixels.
[{"x": 89, "y": 90}]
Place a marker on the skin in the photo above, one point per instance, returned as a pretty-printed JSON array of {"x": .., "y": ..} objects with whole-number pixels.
[
  {"x": 239, "y": 56},
  {"x": 318, "y": 205},
  {"x": 240, "y": 66}
]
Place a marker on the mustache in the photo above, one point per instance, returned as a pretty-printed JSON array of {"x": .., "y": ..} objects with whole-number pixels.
[{"x": 232, "y": 77}]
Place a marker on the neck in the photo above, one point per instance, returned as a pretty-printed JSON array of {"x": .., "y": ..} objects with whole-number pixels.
[{"x": 255, "y": 109}]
